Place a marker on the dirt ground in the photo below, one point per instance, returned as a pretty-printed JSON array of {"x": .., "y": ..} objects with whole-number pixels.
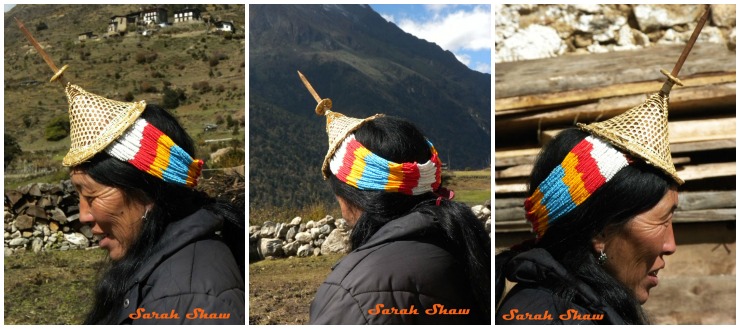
[{"x": 281, "y": 290}]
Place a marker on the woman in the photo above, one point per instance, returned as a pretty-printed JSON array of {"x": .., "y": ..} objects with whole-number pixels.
[
  {"x": 597, "y": 254},
  {"x": 417, "y": 257},
  {"x": 169, "y": 263}
]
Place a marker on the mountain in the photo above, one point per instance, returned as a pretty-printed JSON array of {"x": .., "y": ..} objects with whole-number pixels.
[{"x": 366, "y": 65}]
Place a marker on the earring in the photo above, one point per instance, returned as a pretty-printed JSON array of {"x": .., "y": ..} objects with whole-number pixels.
[
  {"x": 146, "y": 213},
  {"x": 602, "y": 258}
]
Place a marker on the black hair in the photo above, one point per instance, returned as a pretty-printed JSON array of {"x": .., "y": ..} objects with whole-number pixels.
[
  {"x": 172, "y": 202},
  {"x": 461, "y": 233},
  {"x": 633, "y": 190}
]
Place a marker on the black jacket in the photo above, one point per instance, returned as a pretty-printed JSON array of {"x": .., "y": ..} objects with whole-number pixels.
[
  {"x": 532, "y": 301},
  {"x": 189, "y": 272},
  {"x": 400, "y": 267}
]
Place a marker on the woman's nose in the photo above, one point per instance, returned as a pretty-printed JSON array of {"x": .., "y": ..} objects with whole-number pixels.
[
  {"x": 669, "y": 247},
  {"x": 85, "y": 215}
]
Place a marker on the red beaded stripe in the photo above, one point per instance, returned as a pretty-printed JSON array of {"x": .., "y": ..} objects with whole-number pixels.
[
  {"x": 349, "y": 159},
  {"x": 410, "y": 177},
  {"x": 438, "y": 171},
  {"x": 587, "y": 166},
  {"x": 143, "y": 159}
]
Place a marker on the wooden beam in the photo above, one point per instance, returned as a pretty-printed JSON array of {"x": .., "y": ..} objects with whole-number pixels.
[
  {"x": 711, "y": 98},
  {"x": 682, "y": 131},
  {"x": 703, "y": 145},
  {"x": 590, "y": 71},
  {"x": 705, "y": 200},
  {"x": 539, "y": 101},
  {"x": 516, "y": 171},
  {"x": 708, "y": 170}
]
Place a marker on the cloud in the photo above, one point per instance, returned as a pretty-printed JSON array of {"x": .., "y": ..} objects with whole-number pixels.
[
  {"x": 455, "y": 29},
  {"x": 436, "y": 8},
  {"x": 463, "y": 58},
  {"x": 482, "y": 67},
  {"x": 388, "y": 17}
]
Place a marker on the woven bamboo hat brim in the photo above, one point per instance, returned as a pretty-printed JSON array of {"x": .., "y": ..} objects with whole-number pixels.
[
  {"x": 642, "y": 131},
  {"x": 338, "y": 127},
  {"x": 95, "y": 122}
]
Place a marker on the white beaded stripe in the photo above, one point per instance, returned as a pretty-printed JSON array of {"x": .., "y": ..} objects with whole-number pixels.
[
  {"x": 338, "y": 158},
  {"x": 609, "y": 160},
  {"x": 125, "y": 147},
  {"x": 427, "y": 172}
]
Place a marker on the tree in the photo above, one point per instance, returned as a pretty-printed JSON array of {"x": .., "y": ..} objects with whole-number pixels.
[
  {"x": 57, "y": 129},
  {"x": 12, "y": 149},
  {"x": 172, "y": 97}
]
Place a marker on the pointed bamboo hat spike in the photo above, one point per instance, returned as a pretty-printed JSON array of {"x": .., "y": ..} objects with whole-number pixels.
[
  {"x": 94, "y": 121},
  {"x": 338, "y": 126},
  {"x": 642, "y": 131}
]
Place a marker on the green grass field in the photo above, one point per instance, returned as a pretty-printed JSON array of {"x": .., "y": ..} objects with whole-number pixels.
[
  {"x": 471, "y": 187},
  {"x": 50, "y": 287}
]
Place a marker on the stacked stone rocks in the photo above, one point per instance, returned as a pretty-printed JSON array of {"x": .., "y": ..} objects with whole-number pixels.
[
  {"x": 275, "y": 240},
  {"x": 527, "y": 31},
  {"x": 42, "y": 216},
  {"x": 314, "y": 238}
]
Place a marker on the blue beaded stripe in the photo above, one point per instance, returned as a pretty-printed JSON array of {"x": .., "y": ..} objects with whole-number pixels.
[
  {"x": 556, "y": 197},
  {"x": 375, "y": 175}
]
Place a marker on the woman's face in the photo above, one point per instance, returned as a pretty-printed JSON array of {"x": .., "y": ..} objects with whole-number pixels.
[
  {"x": 350, "y": 213},
  {"x": 635, "y": 253},
  {"x": 110, "y": 216}
]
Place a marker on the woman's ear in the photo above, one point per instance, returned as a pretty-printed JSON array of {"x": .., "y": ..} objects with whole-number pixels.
[{"x": 599, "y": 242}]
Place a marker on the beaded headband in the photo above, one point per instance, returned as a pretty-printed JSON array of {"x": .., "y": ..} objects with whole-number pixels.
[
  {"x": 357, "y": 166},
  {"x": 150, "y": 150},
  {"x": 589, "y": 165}
]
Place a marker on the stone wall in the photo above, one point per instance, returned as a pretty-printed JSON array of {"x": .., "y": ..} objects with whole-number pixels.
[
  {"x": 43, "y": 217},
  {"x": 313, "y": 238},
  {"x": 526, "y": 31}
]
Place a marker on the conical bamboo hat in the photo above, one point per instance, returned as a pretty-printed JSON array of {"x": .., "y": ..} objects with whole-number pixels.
[
  {"x": 338, "y": 125},
  {"x": 642, "y": 131},
  {"x": 95, "y": 122}
]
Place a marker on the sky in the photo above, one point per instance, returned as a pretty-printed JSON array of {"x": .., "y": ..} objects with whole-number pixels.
[{"x": 464, "y": 30}]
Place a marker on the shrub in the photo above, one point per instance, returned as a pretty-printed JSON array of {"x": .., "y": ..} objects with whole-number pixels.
[
  {"x": 57, "y": 129},
  {"x": 172, "y": 97},
  {"x": 202, "y": 86},
  {"x": 233, "y": 158},
  {"x": 145, "y": 57},
  {"x": 147, "y": 87},
  {"x": 12, "y": 149},
  {"x": 41, "y": 26},
  {"x": 128, "y": 97}
]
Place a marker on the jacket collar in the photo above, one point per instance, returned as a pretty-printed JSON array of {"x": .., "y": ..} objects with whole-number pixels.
[
  {"x": 414, "y": 224},
  {"x": 538, "y": 267},
  {"x": 177, "y": 235}
]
